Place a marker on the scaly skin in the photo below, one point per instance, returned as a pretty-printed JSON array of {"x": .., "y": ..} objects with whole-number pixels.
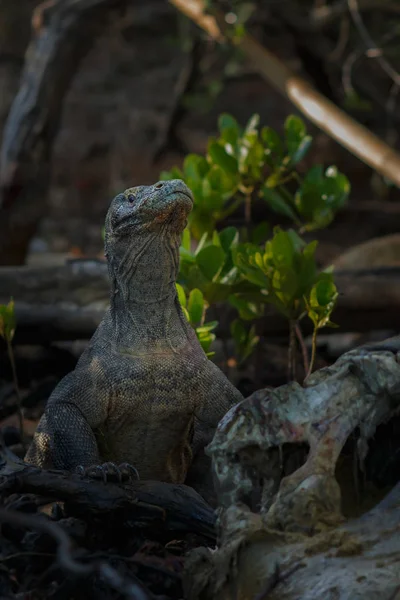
[{"x": 143, "y": 392}]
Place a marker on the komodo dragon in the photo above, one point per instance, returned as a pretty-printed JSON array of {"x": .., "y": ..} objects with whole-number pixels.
[{"x": 143, "y": 392}]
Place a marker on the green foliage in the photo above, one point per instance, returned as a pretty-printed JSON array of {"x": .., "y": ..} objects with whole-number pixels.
[
  {"x": 210, "y": 267},
  {"x": 321, "y": 302},
  {"x": 243, "y": 267},
  {"x": 244, "y": 163},
  {"x": 287, "y": 276},
  {"x": 194, "y": 309},
  {"x": 245, "y": 338},
  {"x": 7, "y": 321}
]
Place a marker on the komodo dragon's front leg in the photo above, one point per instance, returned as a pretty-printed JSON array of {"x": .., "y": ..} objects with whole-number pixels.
[{"x": 65, "y": 437}]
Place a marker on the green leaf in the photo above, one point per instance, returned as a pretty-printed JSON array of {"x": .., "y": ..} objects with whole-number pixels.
[
  {"x": 297, "y": 241},
  {"x": 221, "y": 158},
  {"x": 285, "y": 284},
  {"x": 245, "y": 340},
  {"x": 252, "y": 124},
  {"x": 251, "y": 155},
  {"x": 7, "y": 321},
  {"x": 321, "y": 195},
  {"x": 226, "y": 121},
  {"x": 186, "y": 241},
  {"x": 282, "y": 249},
  {"x": 238, "y": 331},
  {"x": 181, "y": 295},
  {"x": 229, "y": 237},
  {"x": 174, "y": 173},
  {"x": 273, "y": 180},
  {"x": 278, "y": 204},
  {"x": 229, "y": 129},
  {"x": 210, "y": 326},
  {"x": 301, "y": 150},
  {"x": 273, "y": 145},
  {"x": 321, "y": 302},
  {"x": 222, "y": 182},
  {"x": 323, "y": 293},
  {"x": 247, "y": 309},
  {"x": 260, "y": 233},
  {"x": 186, "y": 256},
  {"x": 210, "y": 261},
  {"x": 195, "y": 167},
  {"x": 196, "y": 306},
  {"x": 295, "y": 131}
]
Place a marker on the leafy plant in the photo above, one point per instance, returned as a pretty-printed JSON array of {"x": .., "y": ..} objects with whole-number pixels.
[
  {"x": 242, "y": 164},
  {"x": 244, "y": 267},
  {"x": 7, "y": 330},
  {"x": 286, "y": 274}
]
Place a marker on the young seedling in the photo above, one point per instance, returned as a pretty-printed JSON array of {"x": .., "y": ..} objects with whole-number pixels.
[{"x": 7, "y": 331}]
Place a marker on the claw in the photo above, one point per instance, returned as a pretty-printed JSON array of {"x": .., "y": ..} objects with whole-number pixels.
[
  {"x": 80, "y": 470},
  {"x": 131, "y": 470},
  {"x": 109, "y": 471},
  {"x": 112, "y": 469}
]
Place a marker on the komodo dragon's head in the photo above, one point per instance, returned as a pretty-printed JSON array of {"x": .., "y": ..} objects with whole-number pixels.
[
  {"x": 143, "y": 227},
  {"x": 163, "y": 207}
]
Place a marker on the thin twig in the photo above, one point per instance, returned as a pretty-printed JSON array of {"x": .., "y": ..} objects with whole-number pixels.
[
  {"x": 372, "y": 49},
  {"x": 313, "y": 352},
  {"x": 129, "y": 589},
  {"x": 17, "y": 392},
  {"x": 303, "y": 347}
]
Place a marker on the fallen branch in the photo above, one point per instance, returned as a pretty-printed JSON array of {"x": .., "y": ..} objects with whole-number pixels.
[
  {"x": 322, "y": 112},
  {"x": 149, "y": 504},
  {"x": 68, "y": 302}
]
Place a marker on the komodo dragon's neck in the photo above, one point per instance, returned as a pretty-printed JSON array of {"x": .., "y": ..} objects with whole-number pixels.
[{"x": 145, "y": 310}]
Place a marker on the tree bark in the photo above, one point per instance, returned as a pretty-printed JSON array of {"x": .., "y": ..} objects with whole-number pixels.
[{"x": 63, "y": 33}]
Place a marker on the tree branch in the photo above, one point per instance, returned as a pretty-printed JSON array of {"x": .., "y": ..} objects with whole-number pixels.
[{"x": 323, "y": 113}]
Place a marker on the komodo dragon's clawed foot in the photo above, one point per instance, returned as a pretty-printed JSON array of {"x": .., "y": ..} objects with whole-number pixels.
[{"x": 109, "y": 471}]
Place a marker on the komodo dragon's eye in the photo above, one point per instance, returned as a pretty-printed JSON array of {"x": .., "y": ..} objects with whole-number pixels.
[{"x": 131, "y": 199}]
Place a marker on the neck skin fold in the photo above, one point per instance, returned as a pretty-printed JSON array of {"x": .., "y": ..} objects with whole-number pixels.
[{"x": 145, "y": 310}]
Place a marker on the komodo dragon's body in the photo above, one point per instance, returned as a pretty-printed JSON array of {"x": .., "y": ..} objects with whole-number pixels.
[{"x": 143, "y": 392}]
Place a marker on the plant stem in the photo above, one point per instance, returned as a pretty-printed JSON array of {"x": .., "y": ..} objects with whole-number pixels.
[
  {"x": 16, "y": 386},
  {"x": 292, "y": 351},
  {"x": 304, "y": 351},
  {"x": 313, "y": 351}
]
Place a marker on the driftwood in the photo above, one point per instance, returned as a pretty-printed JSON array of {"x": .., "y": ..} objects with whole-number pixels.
[
  {"x": 280, "y": 453},
  {"x": 68, "y": 302},
  {"x": 63, "y": 31}
]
